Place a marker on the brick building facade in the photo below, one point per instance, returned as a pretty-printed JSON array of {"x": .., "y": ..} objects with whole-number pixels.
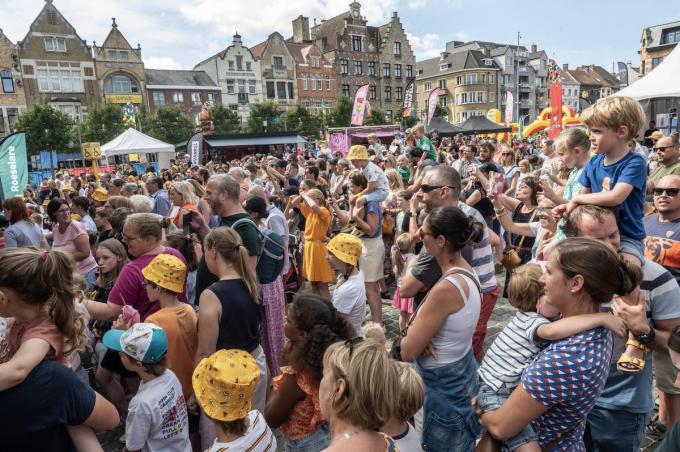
[
  {"x": 12, "y": 99},
  {"x": 120, "y": 69},
  {"x": 397, "y": 63},
  {"x": 187, "y": 90},
  {"x": 57, "y": 65}
]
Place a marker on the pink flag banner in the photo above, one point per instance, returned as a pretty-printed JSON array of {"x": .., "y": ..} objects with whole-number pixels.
[
  {"x": 359, "y": 106},
  {"x": 509, "y": 104},
  {"x": 338, "y": 142},
  {"x": 432, "y": 103}
]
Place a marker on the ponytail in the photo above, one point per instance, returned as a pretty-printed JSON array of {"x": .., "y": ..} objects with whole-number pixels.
[
  {"x": 229, "y": 246},
  {"x": 46, "y": 278}
]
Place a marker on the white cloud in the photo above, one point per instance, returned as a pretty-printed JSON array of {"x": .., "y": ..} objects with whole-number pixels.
[
  {"x": 417, "y": 4},
  {"x": 161, "y": 63},
  {"x": 426, "y": 46},
  {"x": 462, "y": 36}
]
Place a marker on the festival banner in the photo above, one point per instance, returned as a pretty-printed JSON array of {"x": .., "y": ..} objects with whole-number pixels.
[
  {"x": 432, "y": 103},
  {"x": 409, "y": 109},
  {"x": 195, "y": 148},
  {"x": 555, "y": 85},
  {"x": 338, "y": 142},
  {"x": 13, "y": 165},
  {"x": 359, "y": 106},
  {"x": 509, "y": 106}
]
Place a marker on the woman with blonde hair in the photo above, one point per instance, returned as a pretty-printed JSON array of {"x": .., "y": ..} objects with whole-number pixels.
[
  {"x": 510, "y": 169},
  {"x": 184, "y": 201},
  {"x": 354, "y": 406},
  {"x": 312, "y": 205},
  {"x": 408, "y": 401},
  {"x": 231, "y": 312},
  {"x": 202, "y": 204}
]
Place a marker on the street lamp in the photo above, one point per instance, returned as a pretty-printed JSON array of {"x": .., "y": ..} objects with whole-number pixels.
[
  {"x": 49, "y": 151},
  {"x": 521, "y": 124}
]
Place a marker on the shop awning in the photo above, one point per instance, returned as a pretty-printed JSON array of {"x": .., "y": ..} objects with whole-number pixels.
[{"x": 221, "y": 141}]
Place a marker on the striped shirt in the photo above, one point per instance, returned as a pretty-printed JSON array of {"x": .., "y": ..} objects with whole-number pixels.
[
  {"x": 512, "y": 351},
  {"x": 482, "y": 254},
  {"x": 258, "y": 437}
]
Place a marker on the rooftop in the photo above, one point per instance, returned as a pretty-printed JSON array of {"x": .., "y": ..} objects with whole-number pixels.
[
  {"x": 457, "y": 61},
  {"x": 165, "y": 77}
]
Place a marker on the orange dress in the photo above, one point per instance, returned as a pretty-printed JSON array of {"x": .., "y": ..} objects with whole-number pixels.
[
  {"x": 306, "y": 416},
  {"x": 315, "y": 267},
  {"x": 190, "y": 207}
]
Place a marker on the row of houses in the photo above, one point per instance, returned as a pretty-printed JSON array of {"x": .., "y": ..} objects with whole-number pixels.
[{"x": 312, "y": 68}]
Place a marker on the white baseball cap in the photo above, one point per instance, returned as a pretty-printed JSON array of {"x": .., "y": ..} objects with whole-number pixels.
[{"x": 144, "y": 342}]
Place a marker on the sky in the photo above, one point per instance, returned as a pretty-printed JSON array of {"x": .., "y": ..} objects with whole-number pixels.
[{"x": 177, "y": 34}]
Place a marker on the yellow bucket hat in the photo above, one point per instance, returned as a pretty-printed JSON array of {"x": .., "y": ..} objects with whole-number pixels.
[
  {"x": 345, "y": 247},
  {"x": 75, "y": 217},
  {"x": 166, "y": 271},
  {"x": 100, "y": 195},
  {"x": 224, "y": 384},
  {"x": 357, "y": 152},
  {"x": 66, "y": 187}
]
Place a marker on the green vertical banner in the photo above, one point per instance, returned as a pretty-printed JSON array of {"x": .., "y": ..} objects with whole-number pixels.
[{"x": 13, "y": 165}]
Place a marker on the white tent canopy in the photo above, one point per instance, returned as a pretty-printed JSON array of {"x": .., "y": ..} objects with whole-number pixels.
[
  {"x": 134, "y": 142},
  {"x": 663, "y": 81}
]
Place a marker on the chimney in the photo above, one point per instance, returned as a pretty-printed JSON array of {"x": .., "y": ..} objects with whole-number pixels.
[
  {"x": 443, "y": 56},
  {"x": 534, "y": 48},
  {"x": 565, "y": 66},
  {"x": 301, "y": 29},
  {"x": 395, "y": 16}
]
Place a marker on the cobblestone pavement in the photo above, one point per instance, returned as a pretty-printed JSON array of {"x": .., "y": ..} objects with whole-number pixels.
[{"x": 501, "y": 315}]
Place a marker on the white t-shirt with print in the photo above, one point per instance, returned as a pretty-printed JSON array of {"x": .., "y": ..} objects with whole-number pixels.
[
  {"x": 258, "y": 437},
  {"x": 350, "y": 299},
  {"x": 157, "y": 417},
  {"x": 373, "y": 173}
]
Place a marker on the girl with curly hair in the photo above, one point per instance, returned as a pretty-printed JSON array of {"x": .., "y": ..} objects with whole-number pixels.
[{"x": 312, "y": 324}]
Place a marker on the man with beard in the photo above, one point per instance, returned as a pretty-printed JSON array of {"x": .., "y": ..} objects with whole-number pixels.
[
  {"x": 441, "y": 186},
  {"x": 222, "y": 193}
]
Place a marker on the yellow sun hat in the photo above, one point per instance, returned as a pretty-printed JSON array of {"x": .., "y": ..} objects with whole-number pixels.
[
  {"x": 224, "y": 384},
  {"x": 345, "y": 247},
  {"x": 357, "y": 152},
  {"x": 166, "y": 271},
  {"x": 100, "y": 195},
  {"x": 66, "y": 187},
  {"x": 76, "y": 217}
]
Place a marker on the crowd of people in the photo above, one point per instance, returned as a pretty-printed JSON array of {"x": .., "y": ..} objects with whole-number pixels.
[{"x": 239, "y": 305}]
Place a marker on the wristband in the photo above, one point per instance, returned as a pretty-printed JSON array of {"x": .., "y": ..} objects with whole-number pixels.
[{"x": 499, "y": 212}]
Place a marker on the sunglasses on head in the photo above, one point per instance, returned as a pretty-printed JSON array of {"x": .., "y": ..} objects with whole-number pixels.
[
  {"x": 426, "y": 188},
  {"x": 669, "y": 191}
]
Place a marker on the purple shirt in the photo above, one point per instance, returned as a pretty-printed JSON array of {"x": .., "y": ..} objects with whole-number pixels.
[{"x": 128, "y": 287}]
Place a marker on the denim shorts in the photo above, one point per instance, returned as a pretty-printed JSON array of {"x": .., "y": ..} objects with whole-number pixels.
[
  {"x": 490, "y": 400},
  {"x": 633, "y": 246}
]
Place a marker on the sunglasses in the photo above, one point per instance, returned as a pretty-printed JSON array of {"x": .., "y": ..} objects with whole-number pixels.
[
  {"x": 662, "y": 148},
  {"x": 426, "y": 188},
  {"x": 669, "y": 191}
]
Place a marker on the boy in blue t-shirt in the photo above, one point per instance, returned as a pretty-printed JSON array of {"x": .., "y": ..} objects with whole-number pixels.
[{"x": 617, "y": 177}]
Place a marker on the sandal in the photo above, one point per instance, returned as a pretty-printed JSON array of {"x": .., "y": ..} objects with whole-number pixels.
[{"x": 629, "y": 365}]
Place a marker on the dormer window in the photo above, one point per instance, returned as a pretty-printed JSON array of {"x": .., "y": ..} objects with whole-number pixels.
[{"x": 55, "y": 44}]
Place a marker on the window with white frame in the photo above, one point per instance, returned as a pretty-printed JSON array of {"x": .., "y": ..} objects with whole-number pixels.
[
  {"x": 399, "y": 92},
  {"x": 120, "y": 84},
  {"x": 372, "y": 92},
  {"x": 158, "y": 98},
  {"x": 252, "y": 86},
  {"x": 357, "y": 43},
  {"x": 371, "y": 68},
  {"x": 230, "y": 85},
  {"x": 409, "y": 71},
  {"x": 277, "y": 62},
  {"x": 428, "y": 86},
  {"x": 55, "y": 44},
  {"x": 178, "y": 98},
  {"x": 239, "y": 62},
  {"x": 388, "y": 93},
  {"x": 60, "y": 81},
  {"x": 328, "y": 85},
  {"x": 472, "y": 79},
  {"x": 397, "y": 48},
  {"x": 358, "y": 68},
  {"x": 231, "y": 64},
  {"x": 397, "y": 70},
  {"x": 196, "y": 98},
  {"x": 386, "y": 69},
  {"x": 442, "y": 101},
  {"x": 304, "y": 83},
  {"x": 344, "y": 66},
  {"x": 442, "y": 83},
  {"x": 7, "y": 84},
  {"x": 233, "y": 107},
  {"x": 197, "y": 118},
  {"x": 459, "y": 80},
  {"x": 313, "y": 83},
  {"x": 345, "y": 90},
  {"x": 212, "y": 97}
]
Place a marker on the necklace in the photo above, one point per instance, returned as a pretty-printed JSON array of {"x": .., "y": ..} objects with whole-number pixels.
[{"x": 347, "y": 435}]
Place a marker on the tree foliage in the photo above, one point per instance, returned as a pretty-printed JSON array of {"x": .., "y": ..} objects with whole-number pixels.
[
  {"x": 261, "y": 112},
  {"x": 46, "y": 129},
  {"x": 225, "y": 121},
  {"x": 376, "y": 118},
  {"x": 170, "y": 125},
  {"x": 300, "y": 120},
  {"x": 341, "y": 113},
  {"x": 406, "y": 122},
  {"x": 103, "y": 123}
]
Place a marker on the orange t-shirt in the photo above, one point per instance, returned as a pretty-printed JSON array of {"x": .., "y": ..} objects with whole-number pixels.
[
  {"x": 181, "y": 329},
  {"x": 306, "y": 416}
]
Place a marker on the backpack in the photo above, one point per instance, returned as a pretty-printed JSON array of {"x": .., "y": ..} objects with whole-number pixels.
[{"x": 270, "y": 262}]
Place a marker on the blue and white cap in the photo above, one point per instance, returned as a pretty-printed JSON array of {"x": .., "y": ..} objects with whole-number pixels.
[{"x": 144, "y": 342}]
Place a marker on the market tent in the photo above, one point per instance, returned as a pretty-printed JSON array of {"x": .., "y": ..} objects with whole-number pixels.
[
  {"x": 476, "y": 125},
  {"x": 663, "y": 81},
  {"x": 133, "y": 141},
  {"x": 444, "y": 128}
]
